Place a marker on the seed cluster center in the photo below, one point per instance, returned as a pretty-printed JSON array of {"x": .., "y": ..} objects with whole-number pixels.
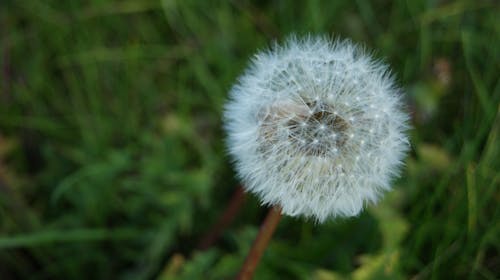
[
  {"x": 320, "y": 132},
  {"x": 313, "y": 129}
]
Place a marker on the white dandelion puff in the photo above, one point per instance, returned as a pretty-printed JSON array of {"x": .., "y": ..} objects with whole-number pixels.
[{"x": 316, "y": 127}]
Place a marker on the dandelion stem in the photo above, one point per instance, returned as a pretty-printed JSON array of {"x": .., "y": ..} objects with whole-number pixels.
[
  {"x": 225, "y": 220},
  {"x": 260, "y": 244}
]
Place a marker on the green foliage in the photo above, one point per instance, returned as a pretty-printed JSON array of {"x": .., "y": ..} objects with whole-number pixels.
[{"x": 112, "y": 161}]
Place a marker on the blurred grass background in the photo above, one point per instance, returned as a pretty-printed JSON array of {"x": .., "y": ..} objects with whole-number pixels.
[{"x": 112, "y": 161}]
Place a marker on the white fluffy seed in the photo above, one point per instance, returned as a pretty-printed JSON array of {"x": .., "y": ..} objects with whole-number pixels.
[{"x": 325, "y": 120}]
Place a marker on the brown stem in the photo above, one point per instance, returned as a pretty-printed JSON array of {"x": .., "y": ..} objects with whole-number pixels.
[
  {"x": 260, "y": 244},
  {"x": 227, "y": 217}
]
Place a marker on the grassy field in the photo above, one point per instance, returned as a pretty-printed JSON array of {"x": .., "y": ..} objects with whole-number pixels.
[{"x": 113, "y": 165}]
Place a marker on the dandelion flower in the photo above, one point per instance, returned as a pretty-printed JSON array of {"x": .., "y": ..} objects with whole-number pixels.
[{"x": 316, "y": 127}]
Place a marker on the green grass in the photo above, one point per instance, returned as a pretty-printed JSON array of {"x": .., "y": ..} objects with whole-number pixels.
[{"x": 112, "y": 160}]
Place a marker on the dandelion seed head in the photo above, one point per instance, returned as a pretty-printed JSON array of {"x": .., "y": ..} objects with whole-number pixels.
[{"x": 316, "y": 126}]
